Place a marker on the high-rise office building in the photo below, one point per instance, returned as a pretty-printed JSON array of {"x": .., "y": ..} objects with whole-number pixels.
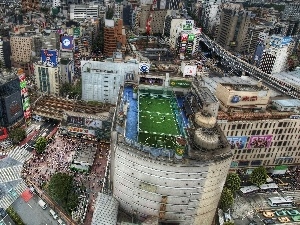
[
  {"x": 81, "y": 12},
  {"x": 233, "y": 28},
  {"x": 179, "y": 185},
  {"x": 21, "y": 52},
  {"x": 11, "y": 109},
  {"x": 47, "y": 78},
  {"x": 114, "y": 37}
]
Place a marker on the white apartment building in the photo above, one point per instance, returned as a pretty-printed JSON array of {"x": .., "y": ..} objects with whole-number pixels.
[
  {"x": 47, "y": 78},
  {"x": 101, "y": 81},
  {"x": 82, "y": 12},
  {"x": 274, "y": 58}
]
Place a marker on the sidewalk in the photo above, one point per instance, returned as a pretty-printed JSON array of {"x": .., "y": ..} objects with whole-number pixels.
[{"x": 28, "y": 138}]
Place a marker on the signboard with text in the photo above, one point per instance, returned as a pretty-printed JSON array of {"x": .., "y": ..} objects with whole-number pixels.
[
  {"x": 188, "y": 25},
  {"x": 260, "y": 141},
  {"x": 180, "y": 83},
  {"x": 238, "y": 142}
]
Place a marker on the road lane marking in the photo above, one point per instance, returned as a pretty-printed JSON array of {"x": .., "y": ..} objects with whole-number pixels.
[{"x": 29, "y": 205}]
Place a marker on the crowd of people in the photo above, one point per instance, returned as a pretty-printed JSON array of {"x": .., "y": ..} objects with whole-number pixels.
[{"x": 58, "y": 157}]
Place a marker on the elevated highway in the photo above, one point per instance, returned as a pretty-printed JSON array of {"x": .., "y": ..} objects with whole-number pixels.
[{"x": 284, "y": 87}]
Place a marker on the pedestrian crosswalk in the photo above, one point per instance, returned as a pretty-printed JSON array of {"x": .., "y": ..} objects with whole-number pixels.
[
  {"x": 13, "y": 194},
  {"x": 10, "y": 173},
  {"x": 20, "y": 154}
]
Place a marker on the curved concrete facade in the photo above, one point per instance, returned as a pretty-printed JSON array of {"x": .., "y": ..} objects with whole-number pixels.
[{"x": 184, "y": 193}]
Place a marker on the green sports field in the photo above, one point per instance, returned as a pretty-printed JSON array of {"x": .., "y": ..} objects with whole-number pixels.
[{"x": 157, "y": 123}]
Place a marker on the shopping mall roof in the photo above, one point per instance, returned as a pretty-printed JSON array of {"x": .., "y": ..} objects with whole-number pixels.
[
  {"x": 288, "y": 102},
  {"x": 292, "y": 77}
]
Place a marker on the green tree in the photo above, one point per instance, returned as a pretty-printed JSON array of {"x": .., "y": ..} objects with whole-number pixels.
[
  {"x": 62, "y": 190},
  {"x": 226, "y": 199},
  {"x": 40, "y": 144},
  {"x": 259, "y": 176},
  {"x": 233, "y": 182},
  {"x": 228, "y": 223},
  {"x": 17, "y": 135}
]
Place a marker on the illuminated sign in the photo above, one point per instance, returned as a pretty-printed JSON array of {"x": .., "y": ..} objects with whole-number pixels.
[
  {"x": 23, "y": 84},
  {"x": 191, "y": 37},
  {"x": 295, "y": 116},
  {"x": 190, "y": 70},
  {"x": 76, "y": 31},
  {"x": 144, "y": 67}
]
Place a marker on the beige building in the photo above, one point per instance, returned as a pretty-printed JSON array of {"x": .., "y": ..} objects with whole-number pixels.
[
  {"x": 47, "y": 79},
  {"x": 261, "y": 132},
  {"x": 21, "y": 53}
]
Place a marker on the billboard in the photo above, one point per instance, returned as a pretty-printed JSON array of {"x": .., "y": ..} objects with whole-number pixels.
[
  {"x": 13, "y": 106},
  {"x": 76, "y": 31},
  {"x": 81, "y": 130},
  {"x": 67, "y": 43},
  {"x": 93, "y": 123},
  {"x": 76, "y": 120},
  {"x": 180, "y": 83},
  {"x": 190, "y": 70},
  {"x": 22, "y": 77},
  {"x": 184, "y": 37},
  {"x": 26, "y": 104},
  {"x": 260, "y": 141},
  {"x": 188, "y": 25},
  {"x": 238, "y": 142},
  {"x": 49, "y": 57}
]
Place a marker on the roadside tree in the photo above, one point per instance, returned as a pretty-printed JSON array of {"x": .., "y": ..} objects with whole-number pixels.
[
  {"x": 17, "y": 135},
  {"x": 62, "y": 190},
  {"x": 233, "y": 182},
  {"x": 40, "y": 145},
  {"x": 259, "y": 176},
  {"x": 226, "y": 199}
]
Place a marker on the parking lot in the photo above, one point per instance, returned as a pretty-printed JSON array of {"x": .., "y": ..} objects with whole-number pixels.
[{"x": 31, "y": 213}]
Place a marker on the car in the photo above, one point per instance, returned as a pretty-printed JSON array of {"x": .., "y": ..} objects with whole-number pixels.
[{"x": 268, "y": 221}]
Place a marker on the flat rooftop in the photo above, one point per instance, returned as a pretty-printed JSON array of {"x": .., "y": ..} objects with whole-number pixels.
[
  {"x": 288, "y": 102},
  {"x": 242, "y": 87}
]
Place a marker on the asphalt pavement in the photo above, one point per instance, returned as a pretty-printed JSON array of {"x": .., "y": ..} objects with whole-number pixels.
[{"x": 31, "y": 213}]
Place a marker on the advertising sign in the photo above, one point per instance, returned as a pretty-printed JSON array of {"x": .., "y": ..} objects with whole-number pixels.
[
  {"x": 49, "y": 57},
  {"x": 184, "y": 37},
  {"x": 26, "y": 104},
  {"x": 238, "y": 142},
  {"x": 67, "y": 42},
  {"x": 260, "y": 141},
  {"x": 27, "y": 113},
  {"x": 188, "y": 25},
  {"x": 295, "y": 117},
  {"x": 76, "y": 120},
  {"x": 190, "y": 70},
  {"x": 93, "y": 123},
  {"x": 22, "y": 77},
  {"x": 180, "y": 83},
  {"x": 23, "y": 84},
  {"x": 286, "y": 40},
  {"x": 81, "y": 130},
  {"x": 13, "y": 106},
  {"x": 144, "y": 67},
  {"x": 191, "y": 37},
  {"x": 76, "y": 31}
]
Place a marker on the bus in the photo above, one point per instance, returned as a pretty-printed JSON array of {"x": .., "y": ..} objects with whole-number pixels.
[{"x": 279, "y": 201}]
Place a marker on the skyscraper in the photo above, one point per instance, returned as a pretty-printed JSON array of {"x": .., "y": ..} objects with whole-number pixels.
[{"x": 233, "y": 28}]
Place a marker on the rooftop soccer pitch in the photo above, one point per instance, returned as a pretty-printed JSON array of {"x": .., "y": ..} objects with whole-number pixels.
[{"x": 157, "y": 121}]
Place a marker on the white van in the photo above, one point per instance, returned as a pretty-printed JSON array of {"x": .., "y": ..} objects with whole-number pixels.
[
  {"x": 60, "y": 222},
  {"x": 53, "y": 214},
  {"x": 42, "y": 204}
]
